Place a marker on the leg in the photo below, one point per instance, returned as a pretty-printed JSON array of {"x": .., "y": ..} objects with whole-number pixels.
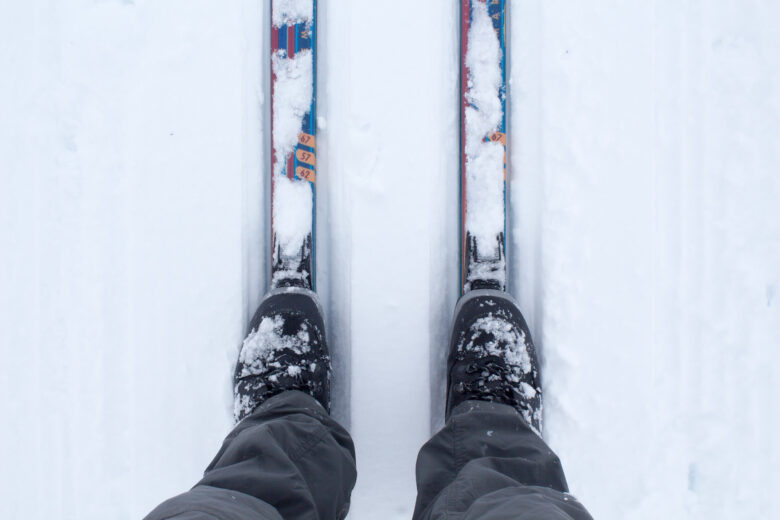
[
  {"x": 488, "y": 464},
  {"x": 288, "y": 459}
]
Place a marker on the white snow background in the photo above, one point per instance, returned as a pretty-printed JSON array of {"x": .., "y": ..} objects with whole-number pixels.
[{"x": 645, "y": 243}]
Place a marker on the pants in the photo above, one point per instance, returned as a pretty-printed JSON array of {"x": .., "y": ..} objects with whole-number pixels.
[{"x": 290, "y": 461}]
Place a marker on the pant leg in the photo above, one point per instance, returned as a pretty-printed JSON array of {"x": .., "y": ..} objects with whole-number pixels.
[
  {"x": 488, "y": 464},
  {"x": 288, "y": 460}
]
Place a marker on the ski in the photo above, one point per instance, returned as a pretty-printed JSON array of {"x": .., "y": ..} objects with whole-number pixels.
[
  {"x": 293, "y": 150},
  {"x": 483, "y": 123}
]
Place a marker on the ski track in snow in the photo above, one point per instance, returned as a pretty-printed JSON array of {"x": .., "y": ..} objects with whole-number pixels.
[{"x": 644, "y": 247}]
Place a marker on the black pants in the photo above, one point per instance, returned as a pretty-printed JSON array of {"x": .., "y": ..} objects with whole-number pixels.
[{"x": 289, "y": 460}]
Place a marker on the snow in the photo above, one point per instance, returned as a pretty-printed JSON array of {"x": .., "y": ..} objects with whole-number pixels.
[
  {"x": 644, "y": 243},
  {"x": 292, "y": 212},
  {"x": 290, "y": 12},
  {"x": 260, "y": 351},
  {"x": 261, "y": 345},
  {"x": 508, "y": 342}
]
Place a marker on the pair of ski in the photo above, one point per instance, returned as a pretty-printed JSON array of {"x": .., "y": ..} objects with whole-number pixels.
[
  {"x": 483, "y": 144},
  {"x": 488, "y": 330}
]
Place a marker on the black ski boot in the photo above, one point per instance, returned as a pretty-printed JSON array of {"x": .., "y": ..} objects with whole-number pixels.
[
  {"x": 285, "y": 349},
  {"x": 492, "y": 356}
]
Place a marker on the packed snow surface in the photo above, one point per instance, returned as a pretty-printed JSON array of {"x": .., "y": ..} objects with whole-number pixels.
[
  {"x": 644, "y": 243},
  {"x": 484, "y": 158}
]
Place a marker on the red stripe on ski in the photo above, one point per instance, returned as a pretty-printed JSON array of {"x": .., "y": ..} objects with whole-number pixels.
[
  {"x": 291, "y": 167},
  {"x": 291, "y": 41}
]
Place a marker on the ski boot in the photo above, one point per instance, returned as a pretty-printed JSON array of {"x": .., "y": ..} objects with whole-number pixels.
[
  {"x": 492, "y": 356},
  {"x": 285, "y": 349}
]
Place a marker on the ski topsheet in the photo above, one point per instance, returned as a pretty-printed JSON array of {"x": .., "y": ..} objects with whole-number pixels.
[
  {"x": 483, "y": 144},
  {"x": 293, "y": 151}
]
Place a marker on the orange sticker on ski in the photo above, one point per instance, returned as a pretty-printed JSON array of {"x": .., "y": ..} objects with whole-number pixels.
[
  {"x": 498, "y": 137},
  {"x": 307, "y": 140},
  {"x": 307, "y": 157},
  {"x": 306, "y": 174}
]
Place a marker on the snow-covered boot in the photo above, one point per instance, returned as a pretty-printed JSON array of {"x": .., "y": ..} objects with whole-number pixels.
[
  {"x": 285, "y": 349},
  {"x": 492, "y": 356}
]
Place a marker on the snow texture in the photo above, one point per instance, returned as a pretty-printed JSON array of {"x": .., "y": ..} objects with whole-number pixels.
[
  {"x": 290, "y": 12},
  {"x": 644, "y": 243},
  {"x": 484, "y": 158},
  {"x": 507, "y": 343},
  {"x": 292, "y": 212},
  {"x": 261, "y": 345}
]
